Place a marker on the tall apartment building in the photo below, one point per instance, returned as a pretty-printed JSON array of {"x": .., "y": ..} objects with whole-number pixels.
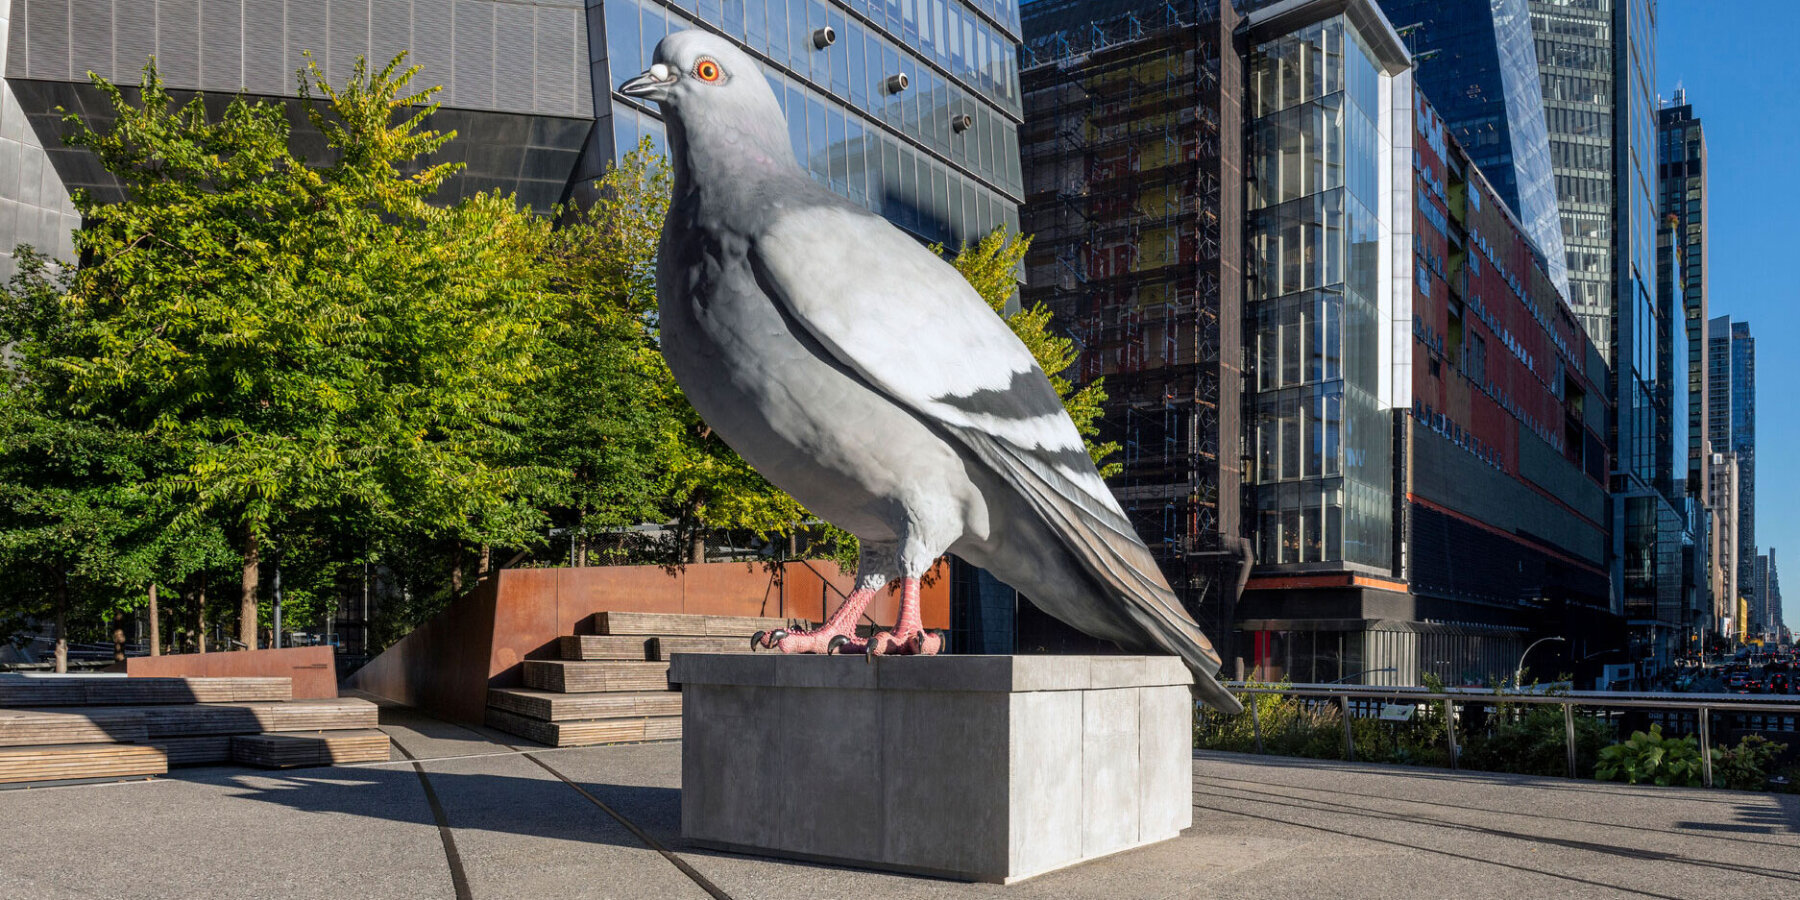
[
  {"x": 1422, "y": 447},
  {"x": 1758, "y": 619},
  {"x": 1722, "y": 473},
  {"x": 1475, "y": 60},
  {"x": 1731, "y": 427},
  {"x": 528, "y": 87}
]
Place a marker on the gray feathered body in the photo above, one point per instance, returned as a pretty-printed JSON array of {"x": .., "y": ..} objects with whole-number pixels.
[{"x": 861, "y": 374}]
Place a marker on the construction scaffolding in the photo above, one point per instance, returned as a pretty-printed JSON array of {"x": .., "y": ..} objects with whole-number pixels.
[{"x": 1131, "y": 152}]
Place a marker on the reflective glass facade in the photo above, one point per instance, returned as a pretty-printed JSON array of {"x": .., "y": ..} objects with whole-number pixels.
[
  {"x": 1320, "y": 441},
  {"x": 896, "y": 153},
  {"x": 1477, "y": 63},
  {"x": 1731, "y": 426},
  {"x": 1681, "y": 154}
]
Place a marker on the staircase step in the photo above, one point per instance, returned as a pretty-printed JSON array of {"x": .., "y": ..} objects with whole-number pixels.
[
  {"x": 112, "y": 690},
  {"x": 655, "y": 624},
  {"x": 319, "y": 748},
  {"x": 195, "y": 751},
  {"x": 194, "y": 719},
  {"x": 548, "y": 706},
  {"x": 563, "y": 676},
  {"x": 661, "y": 647},
  {"x": 59, "y": 762},
  {"x": 28, "y": 727},
  {"x": 586, "y": 732},
  {"x": 633, "y": 647}
]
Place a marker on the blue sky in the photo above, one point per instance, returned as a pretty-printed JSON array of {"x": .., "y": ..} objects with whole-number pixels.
[{"x": 1742, "y": 86}]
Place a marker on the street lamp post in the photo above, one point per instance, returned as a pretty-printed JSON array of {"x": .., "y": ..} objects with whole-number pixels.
[{"x": 1519, "y": 672}]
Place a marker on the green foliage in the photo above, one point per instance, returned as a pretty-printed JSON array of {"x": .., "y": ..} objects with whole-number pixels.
[
  {"x": 1653, "y": 758},
  {"x": 989, "y": 265},
  {"x": 1746, "y": 767},
  {"x": 1528, "y": 739}
]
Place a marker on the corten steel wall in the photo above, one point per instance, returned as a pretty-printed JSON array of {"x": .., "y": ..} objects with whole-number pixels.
[
  {"x": 447, "y": 664},
  {"x": 313, "y": 669}
]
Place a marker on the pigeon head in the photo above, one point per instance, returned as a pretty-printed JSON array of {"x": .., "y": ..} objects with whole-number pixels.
[{"x": 712, "y": 93}]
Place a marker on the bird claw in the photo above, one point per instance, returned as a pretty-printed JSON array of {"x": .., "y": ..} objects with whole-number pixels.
[
  {"x": 767, "y": 639},
  {"x": 919, "y": 643},
  {"x": 836, "y": 642}
]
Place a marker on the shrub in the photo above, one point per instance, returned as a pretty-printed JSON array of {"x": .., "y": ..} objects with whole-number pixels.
[
  {"x": 1652, "y": 757},
  {"x": 1530, "y": 741},
  {"x": 1746, "y": 766}
]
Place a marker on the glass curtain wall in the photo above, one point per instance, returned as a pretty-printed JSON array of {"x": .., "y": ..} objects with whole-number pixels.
[
  {"x": 1321, "y": 445},
  {"x": 901, "y": 154}
]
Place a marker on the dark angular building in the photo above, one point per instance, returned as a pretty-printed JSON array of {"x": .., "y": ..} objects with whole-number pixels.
[
  {"x": 1477, "y": 64},
  {"x": 1681, "y": 175}
]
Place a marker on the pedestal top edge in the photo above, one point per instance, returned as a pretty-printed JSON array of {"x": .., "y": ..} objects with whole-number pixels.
[{"x": 955, "y": 672}]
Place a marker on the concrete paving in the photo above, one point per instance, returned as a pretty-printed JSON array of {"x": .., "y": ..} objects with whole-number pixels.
[{"x": 514, "y": 827}]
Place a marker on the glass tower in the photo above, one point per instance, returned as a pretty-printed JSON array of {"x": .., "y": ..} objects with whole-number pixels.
[
  {"x": 1322, "y": 442},
  {"x": 938, "y": 156},
  {"x": 1731, "y": 426},
  {"x": 1681, "y": 155},
  {"x": 1477, "y": 63}
]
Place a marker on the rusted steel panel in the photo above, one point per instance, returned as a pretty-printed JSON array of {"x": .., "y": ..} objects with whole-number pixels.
[{"x": 313, "y": 669}]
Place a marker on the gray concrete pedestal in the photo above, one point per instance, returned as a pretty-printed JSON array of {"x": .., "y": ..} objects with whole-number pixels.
[{"x": 984, "y": 768}]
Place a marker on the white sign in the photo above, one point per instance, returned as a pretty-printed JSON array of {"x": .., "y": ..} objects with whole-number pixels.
[{"x": 1397, "y": 712}]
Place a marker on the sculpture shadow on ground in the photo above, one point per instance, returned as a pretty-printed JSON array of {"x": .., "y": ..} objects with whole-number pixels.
[{"x": 523, "y": 804}]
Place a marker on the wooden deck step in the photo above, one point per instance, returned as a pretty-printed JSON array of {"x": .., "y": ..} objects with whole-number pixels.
[
  {"x": 549, "y": 706},
  {"x": 634, "y": 647},
  {"x": 658, "y": 624},
  {"x": 60, "y": 762},
  {"x": 341, "y": 713},
  {"x": 319, "y": 748},
  {"x": 110, "y": 690},
  {"x": 195, "y": 751},
  {"x": 586, "y": 732},
  {"x": 29, "y": 727},
  {"x": 661, "y": 647},
  {"x": 567, "y": 677}
]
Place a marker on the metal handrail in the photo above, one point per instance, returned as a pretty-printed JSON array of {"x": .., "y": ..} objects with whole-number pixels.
[{"x": 1702, "y": 705}]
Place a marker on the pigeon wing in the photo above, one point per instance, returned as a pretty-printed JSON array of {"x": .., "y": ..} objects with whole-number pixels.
[{"x": 915, "y": 330}]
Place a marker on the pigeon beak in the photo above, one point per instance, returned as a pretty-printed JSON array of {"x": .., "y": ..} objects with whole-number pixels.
[{"x": 652, "y": 85}]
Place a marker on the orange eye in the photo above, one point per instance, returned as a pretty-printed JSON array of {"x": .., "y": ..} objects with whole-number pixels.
[{"x": 708, "y": 71}]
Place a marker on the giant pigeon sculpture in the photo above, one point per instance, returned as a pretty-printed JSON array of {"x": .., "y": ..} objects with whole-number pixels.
[{"x": 859, "y": 372}]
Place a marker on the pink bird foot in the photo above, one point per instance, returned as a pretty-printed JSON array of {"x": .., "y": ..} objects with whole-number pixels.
[
  {"x": 909, "y": 637},
  {"x": 836, "y": 636}
]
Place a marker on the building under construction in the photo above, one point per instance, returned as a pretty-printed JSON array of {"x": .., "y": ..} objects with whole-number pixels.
[{"x": 1132, "y": 156}]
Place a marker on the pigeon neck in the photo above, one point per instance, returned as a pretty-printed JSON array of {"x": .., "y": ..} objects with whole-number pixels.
[{"x": 737, "y": 144}]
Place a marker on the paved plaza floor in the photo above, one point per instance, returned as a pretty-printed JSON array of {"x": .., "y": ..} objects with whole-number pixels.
[{"x": 470, "y": 813}]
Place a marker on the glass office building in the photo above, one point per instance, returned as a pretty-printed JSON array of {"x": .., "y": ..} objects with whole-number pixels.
[
  {"x": 1731, "y": 426},
  {"x": 528, "y": 87},
  {"x": 1681, "y": 167},
  {"x": 1319, "y": 124},
  {"x": 939, "y": 157},
  {"x": 1476, "y": 61}
]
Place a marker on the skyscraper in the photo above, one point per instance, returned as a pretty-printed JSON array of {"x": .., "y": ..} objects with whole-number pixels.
[
  {"x": 1731, "y": 425},
  {"x": 1681, "y": 167},
  {"x": 1477, "y": 64}
]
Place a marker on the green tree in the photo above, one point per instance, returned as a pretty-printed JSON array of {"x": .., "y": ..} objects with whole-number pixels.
[
  {"x": 990, "y": 265},
  {"x": 322, "y": 349}
]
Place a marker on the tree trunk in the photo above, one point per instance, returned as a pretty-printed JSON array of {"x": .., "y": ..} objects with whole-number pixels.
[
  {"x": 155, "y": 624},
  {"x": 456, "y": 567},
  {"x": 62, "y": 624},
  {"x": 487, "y": 560},
  {"x": 118, "y": 641},
  {"x": 697, "y": 546},
  {"x": 581, "y": 550},
  {"x": 200, "y": 619},
  {"x": 247, "y": 602}
]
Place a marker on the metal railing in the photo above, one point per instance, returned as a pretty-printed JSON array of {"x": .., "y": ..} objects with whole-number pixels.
[{"x": 1349, "y": 697}]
